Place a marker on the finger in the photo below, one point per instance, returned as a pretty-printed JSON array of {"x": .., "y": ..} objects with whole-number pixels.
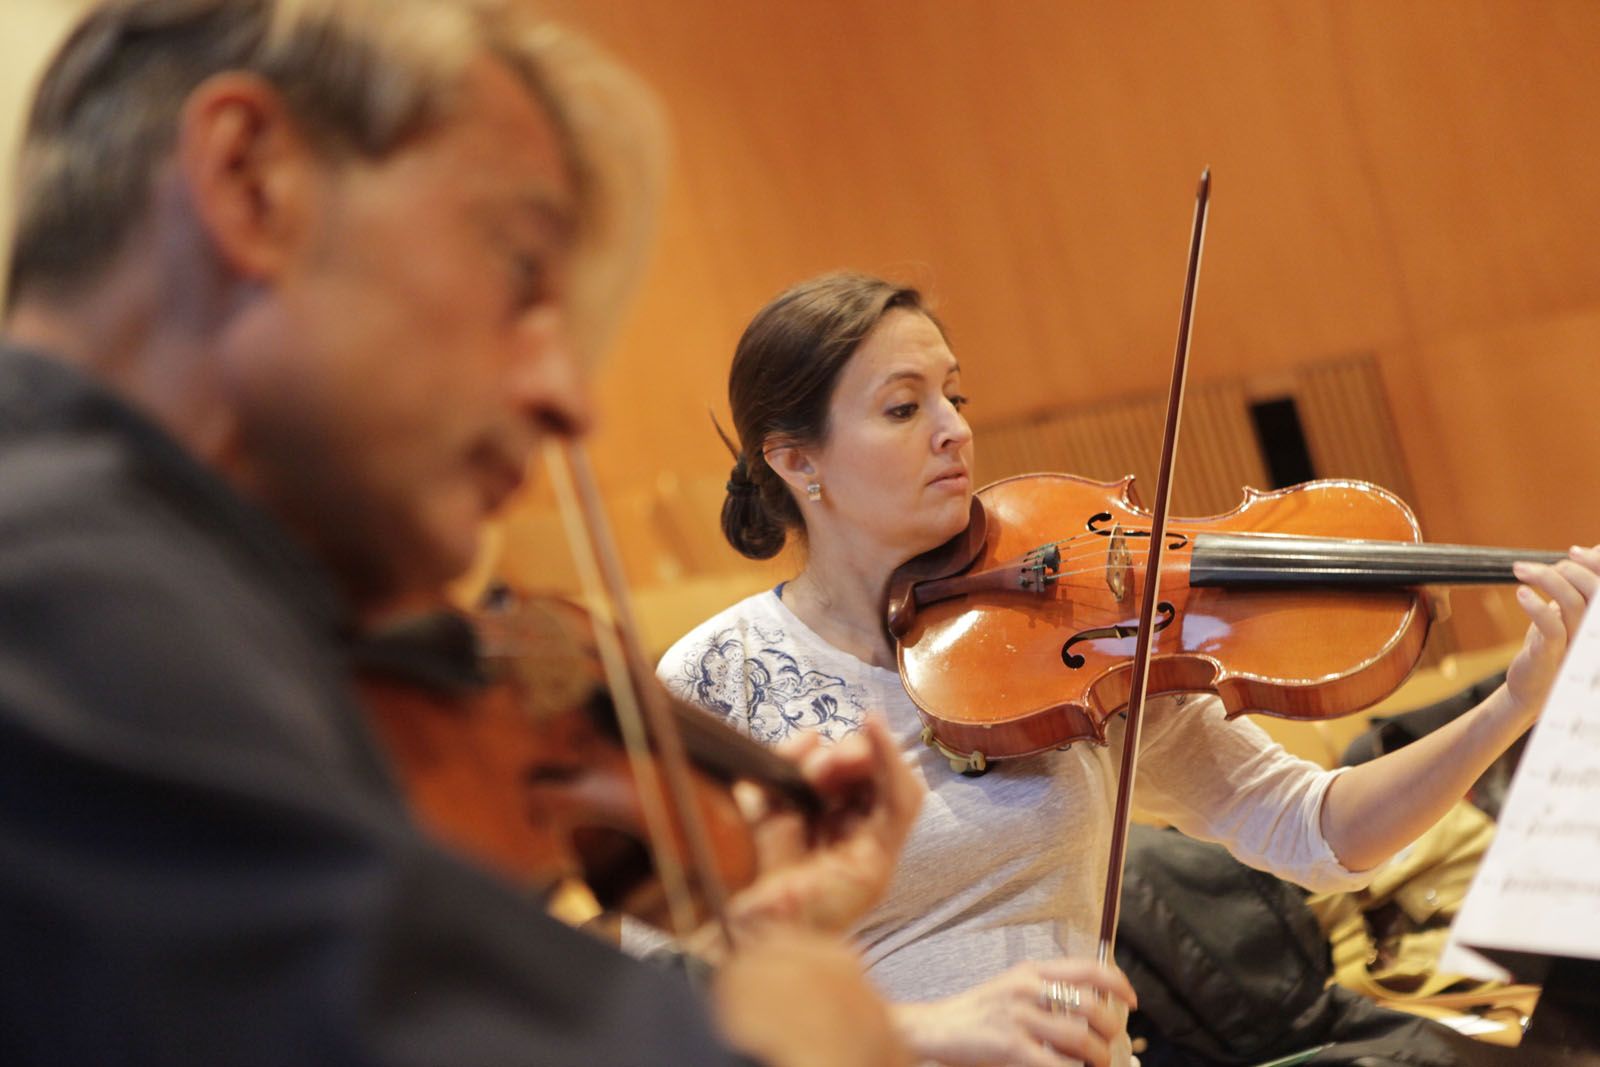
[
  {"x": 902, "y": 789},
  {"x": 1566, "y": 604},
  {"x": 1568, "y": 582},
  {"x": 751, "y": 801},
  {"x": 1545, "y": 615},
  {"x": 779, "y": 835},
  {"x": 838, "y": 766},
  {"x": 1104, "y": 1016},
  {"x": 1438, "y": 604},
  {"x": 846, "y": 782},
  {"x": 1069, "y": 1036},
  {"x": 1088, "y": 974},
  {"x": 865, "y": 772},
  {"x": 780, "y": 839},
  {"x": 797, "y": 745},
  {"x": 1582, "y": 569},
  {"x": 851, "y": 761}
]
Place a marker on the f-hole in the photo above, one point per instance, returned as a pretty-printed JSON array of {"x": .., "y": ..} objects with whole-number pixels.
[
  {"x": 1179, "y": 540},
  {"x": 1164, "y": 610}
]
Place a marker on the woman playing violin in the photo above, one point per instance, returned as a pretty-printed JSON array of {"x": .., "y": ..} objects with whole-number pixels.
[{"x": 848, "y": 404}]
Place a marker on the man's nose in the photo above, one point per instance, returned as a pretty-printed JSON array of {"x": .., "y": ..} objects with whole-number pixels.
[{"x": 548, "y": 380}]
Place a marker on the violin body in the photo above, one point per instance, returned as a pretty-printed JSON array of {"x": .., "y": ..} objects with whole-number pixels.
[
  {"x": 507, "y": 745},
  {"x": 460, "y": 758},
  {"x": 1008, "y": 660}
]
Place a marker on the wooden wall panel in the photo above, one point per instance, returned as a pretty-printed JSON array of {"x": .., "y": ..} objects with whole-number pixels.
[
  {"x": 1349, "y": 430},
  {"x": 1411, "y": 180},
  {"x": 1108, "y": 441}
]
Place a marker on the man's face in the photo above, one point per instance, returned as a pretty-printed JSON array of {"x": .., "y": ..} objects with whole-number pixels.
[{"x": 416, "y": 352}]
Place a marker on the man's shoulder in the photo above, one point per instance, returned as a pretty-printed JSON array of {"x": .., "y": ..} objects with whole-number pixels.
[
  {"x": 124, "y": 612},
  {"x": 74, "y": 461},
  {"x": 72, "y": 515},
  {"x": 95, "y": 494},
  {"x": 65, "y": 498}
]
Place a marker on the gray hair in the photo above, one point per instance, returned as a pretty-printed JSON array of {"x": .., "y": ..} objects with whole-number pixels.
[{"x": 361, "y": 76}]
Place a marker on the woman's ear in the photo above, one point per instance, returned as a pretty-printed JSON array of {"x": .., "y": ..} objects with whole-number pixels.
[{"x": 791, "y": 463}]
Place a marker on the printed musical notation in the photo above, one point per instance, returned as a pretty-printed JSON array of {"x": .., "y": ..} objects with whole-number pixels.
[{"x": 1538, "y": 888}]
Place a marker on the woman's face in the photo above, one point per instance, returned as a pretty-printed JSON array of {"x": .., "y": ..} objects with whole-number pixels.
[{"x": 896, "y": 467}]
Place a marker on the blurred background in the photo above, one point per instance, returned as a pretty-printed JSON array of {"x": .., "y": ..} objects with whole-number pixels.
[{"x": 1401, "y": 281}]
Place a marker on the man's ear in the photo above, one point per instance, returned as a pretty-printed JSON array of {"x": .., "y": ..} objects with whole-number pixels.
[
  {"x": 249, "y": 172},
  {"x": 791, "y": 462}
]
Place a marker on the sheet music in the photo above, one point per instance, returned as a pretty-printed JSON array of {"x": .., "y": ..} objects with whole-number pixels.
[{"x": 1538, "y": 888}]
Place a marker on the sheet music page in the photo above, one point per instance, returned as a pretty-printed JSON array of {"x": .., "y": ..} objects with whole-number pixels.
[{"x": 1538, "y": 888}]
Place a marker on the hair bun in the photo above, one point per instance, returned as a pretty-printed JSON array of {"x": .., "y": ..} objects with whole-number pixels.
[{"x": 739, "y": 483}]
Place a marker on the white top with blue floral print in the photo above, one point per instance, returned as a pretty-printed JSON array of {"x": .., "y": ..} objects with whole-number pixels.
[{"x": 1010, "y": 865}]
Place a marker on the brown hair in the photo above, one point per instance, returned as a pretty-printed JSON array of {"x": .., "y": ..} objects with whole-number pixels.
[{"x": 784, "y": 373}]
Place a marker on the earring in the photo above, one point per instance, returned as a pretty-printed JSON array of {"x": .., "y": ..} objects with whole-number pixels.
[{"x": 813, "y": 491}]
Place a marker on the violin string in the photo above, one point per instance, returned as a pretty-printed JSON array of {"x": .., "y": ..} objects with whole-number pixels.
[
  {"x": 1098, "y": 562},
  {"x": 1448, "y": 556},
  {"x": 1144, "y": 531},
  {"x": 1134, "y": 556},
  {"x": 1264, "y": 535}
]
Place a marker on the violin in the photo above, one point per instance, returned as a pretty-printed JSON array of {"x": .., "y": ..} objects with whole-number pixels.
[
  {"x": 1305, "y": 603},
  {"x": 508, "y": 745}
]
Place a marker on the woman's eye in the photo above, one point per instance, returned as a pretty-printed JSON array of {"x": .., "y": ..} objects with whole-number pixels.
[
  {"x": 903, "y": 411},
  {"x": 958, "y": 401}
]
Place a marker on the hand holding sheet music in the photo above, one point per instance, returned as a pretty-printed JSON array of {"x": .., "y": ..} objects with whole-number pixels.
[{"x": 1538, "y": 890}]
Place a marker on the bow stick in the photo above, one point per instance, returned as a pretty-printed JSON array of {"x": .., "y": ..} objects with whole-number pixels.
[
  {"x": 1112, "y": 907},
  {"x": 641, "y": 714}
]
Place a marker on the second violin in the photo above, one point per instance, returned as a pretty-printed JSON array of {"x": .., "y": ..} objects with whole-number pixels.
[{"x": 509, "y": 748}]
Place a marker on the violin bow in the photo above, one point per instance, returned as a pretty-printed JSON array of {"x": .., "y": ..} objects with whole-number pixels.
[
  {"x": 1112, "y": 907},
  {"x": 641, "y": 712}
]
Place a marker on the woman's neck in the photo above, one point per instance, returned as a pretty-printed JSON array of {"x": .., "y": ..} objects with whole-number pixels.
[{"x": 845, "y": 607}]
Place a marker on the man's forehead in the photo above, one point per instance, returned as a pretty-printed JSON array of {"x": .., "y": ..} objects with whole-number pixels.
[{"x": 508, "y": 135}]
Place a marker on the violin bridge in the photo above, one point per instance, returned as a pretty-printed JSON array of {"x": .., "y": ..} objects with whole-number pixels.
[{"x": 1119, "y": 565}]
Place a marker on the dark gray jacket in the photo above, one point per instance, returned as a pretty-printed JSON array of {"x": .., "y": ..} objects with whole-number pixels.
[{"x": 203, "y": 858}]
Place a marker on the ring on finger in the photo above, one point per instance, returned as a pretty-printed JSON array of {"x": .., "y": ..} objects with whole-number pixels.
[{"x": 1061, "y": 997}]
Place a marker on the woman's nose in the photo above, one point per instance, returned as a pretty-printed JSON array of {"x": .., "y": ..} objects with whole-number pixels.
[{"x": 953, "y": 429}]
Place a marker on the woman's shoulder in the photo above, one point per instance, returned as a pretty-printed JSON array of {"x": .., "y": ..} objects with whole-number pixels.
[
  {"x": 755, "y": 619},
  {"x": 758, "y": 665},
  {"x": 705, "y": 664}
]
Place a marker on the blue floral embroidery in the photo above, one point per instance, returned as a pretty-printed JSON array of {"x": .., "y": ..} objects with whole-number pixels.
[{"x": 775, "y": 693}]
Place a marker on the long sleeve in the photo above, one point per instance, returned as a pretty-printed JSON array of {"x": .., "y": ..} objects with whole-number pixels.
[{"x": 1227, "y": 781}]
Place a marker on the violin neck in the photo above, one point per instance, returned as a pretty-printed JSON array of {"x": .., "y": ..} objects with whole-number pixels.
[
  {"x": 1274, "y": 559},
  {"x": 725, "y": 753}
]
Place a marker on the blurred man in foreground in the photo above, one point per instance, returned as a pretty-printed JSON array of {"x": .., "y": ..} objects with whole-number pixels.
[{"x": 297, "y": 287}]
